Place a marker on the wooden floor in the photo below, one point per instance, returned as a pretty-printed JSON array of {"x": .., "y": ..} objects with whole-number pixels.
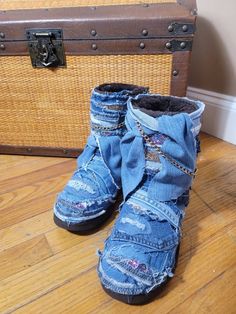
[{"x": 44, "y": 269}]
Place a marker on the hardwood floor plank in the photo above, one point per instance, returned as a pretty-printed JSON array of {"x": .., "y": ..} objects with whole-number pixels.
[
  {"x": 27, "y": 193},
  {"x": 23, "y": 256},
  {"x": 208, "y": 140},
  {"x": 201, "y": 223},
  {"x": 27, "y": 165},
  {"x": 44, "y": 269},
  {"x": 210, "y": 299},
  {"x": 61, "y": 240},
  {"x": 217, "y": 180},
  {"x": 49, "y": 274},
  {"x": 214, "y": 152},
  {"x": 75, "y": 296},
  {"x": 12, "y": 216},
  {"x": 64, "y": 167},
  {"x": 9, "y": 161},
  {"x": 80, "y": 295},
  {"x": 26, "y": 230}
]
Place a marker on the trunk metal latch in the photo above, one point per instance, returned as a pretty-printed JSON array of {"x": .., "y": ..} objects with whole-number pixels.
[{"x": 46, "y": 48}]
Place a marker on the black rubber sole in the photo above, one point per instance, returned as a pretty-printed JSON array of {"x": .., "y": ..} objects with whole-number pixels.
[
  {"x": 141, "y": 299},
  {"x": 86, "y": 226}
]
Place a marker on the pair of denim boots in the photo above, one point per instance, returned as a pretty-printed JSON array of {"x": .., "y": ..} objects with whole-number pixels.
[{"x": 147, "y": 144}]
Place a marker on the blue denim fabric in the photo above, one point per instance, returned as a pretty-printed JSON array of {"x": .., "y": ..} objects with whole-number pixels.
[
  {"x": 94, "y": 185},
  {"x": 140, "y": 253}
]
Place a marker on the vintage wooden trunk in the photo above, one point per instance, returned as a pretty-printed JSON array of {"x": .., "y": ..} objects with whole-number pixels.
[{"x": 52, "y": 53}]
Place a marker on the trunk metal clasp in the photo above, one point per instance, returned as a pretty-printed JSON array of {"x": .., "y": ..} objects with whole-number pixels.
[{"x": 46, "y": 48}]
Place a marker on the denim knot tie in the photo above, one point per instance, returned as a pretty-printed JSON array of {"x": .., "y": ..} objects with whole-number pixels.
[
  {"x": 133, "y": 164},
  {"x": 178, "y": 145},
  {"x": 109, "y": 149}
]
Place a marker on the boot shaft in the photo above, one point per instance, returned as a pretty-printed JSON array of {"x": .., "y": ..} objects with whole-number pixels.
[
  {"x": 109, "y": 106},
  {"x": 108, "y": 110},
  {"x": 161, "y": 145}
]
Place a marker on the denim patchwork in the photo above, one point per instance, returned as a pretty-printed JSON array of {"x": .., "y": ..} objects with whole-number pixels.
[
  {"x": 158, "y": 164},
  {"x": 93, "y": 187}
]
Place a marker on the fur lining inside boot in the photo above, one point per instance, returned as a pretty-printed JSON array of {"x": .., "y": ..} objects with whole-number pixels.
[{"x": 156, "y": 106}]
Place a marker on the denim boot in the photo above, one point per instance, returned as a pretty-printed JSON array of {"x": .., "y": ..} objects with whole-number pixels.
[
  {"x": 85, "y": 203},
  {"x": 158, "y": 165}
]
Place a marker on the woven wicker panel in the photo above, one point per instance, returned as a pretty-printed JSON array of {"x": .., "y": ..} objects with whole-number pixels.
[
  {"x": 33, "y": 4},
  {"x": 42, "y": 107}
]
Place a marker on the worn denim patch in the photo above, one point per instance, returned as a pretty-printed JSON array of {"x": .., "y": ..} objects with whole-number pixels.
[
  {"x": 158, "y": 162},
  {"x": 93, "y": 187}
]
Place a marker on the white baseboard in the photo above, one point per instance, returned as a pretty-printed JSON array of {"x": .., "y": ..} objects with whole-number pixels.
[{"x": 219, "y": 118}]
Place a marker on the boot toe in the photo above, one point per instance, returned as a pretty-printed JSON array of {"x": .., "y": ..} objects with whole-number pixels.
[
  {"x": 133, "y": 274},
  {"x": 76, "y": 212},
  {"x": 139, "y": 257},
  {"x": 85, "y": 202}
]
